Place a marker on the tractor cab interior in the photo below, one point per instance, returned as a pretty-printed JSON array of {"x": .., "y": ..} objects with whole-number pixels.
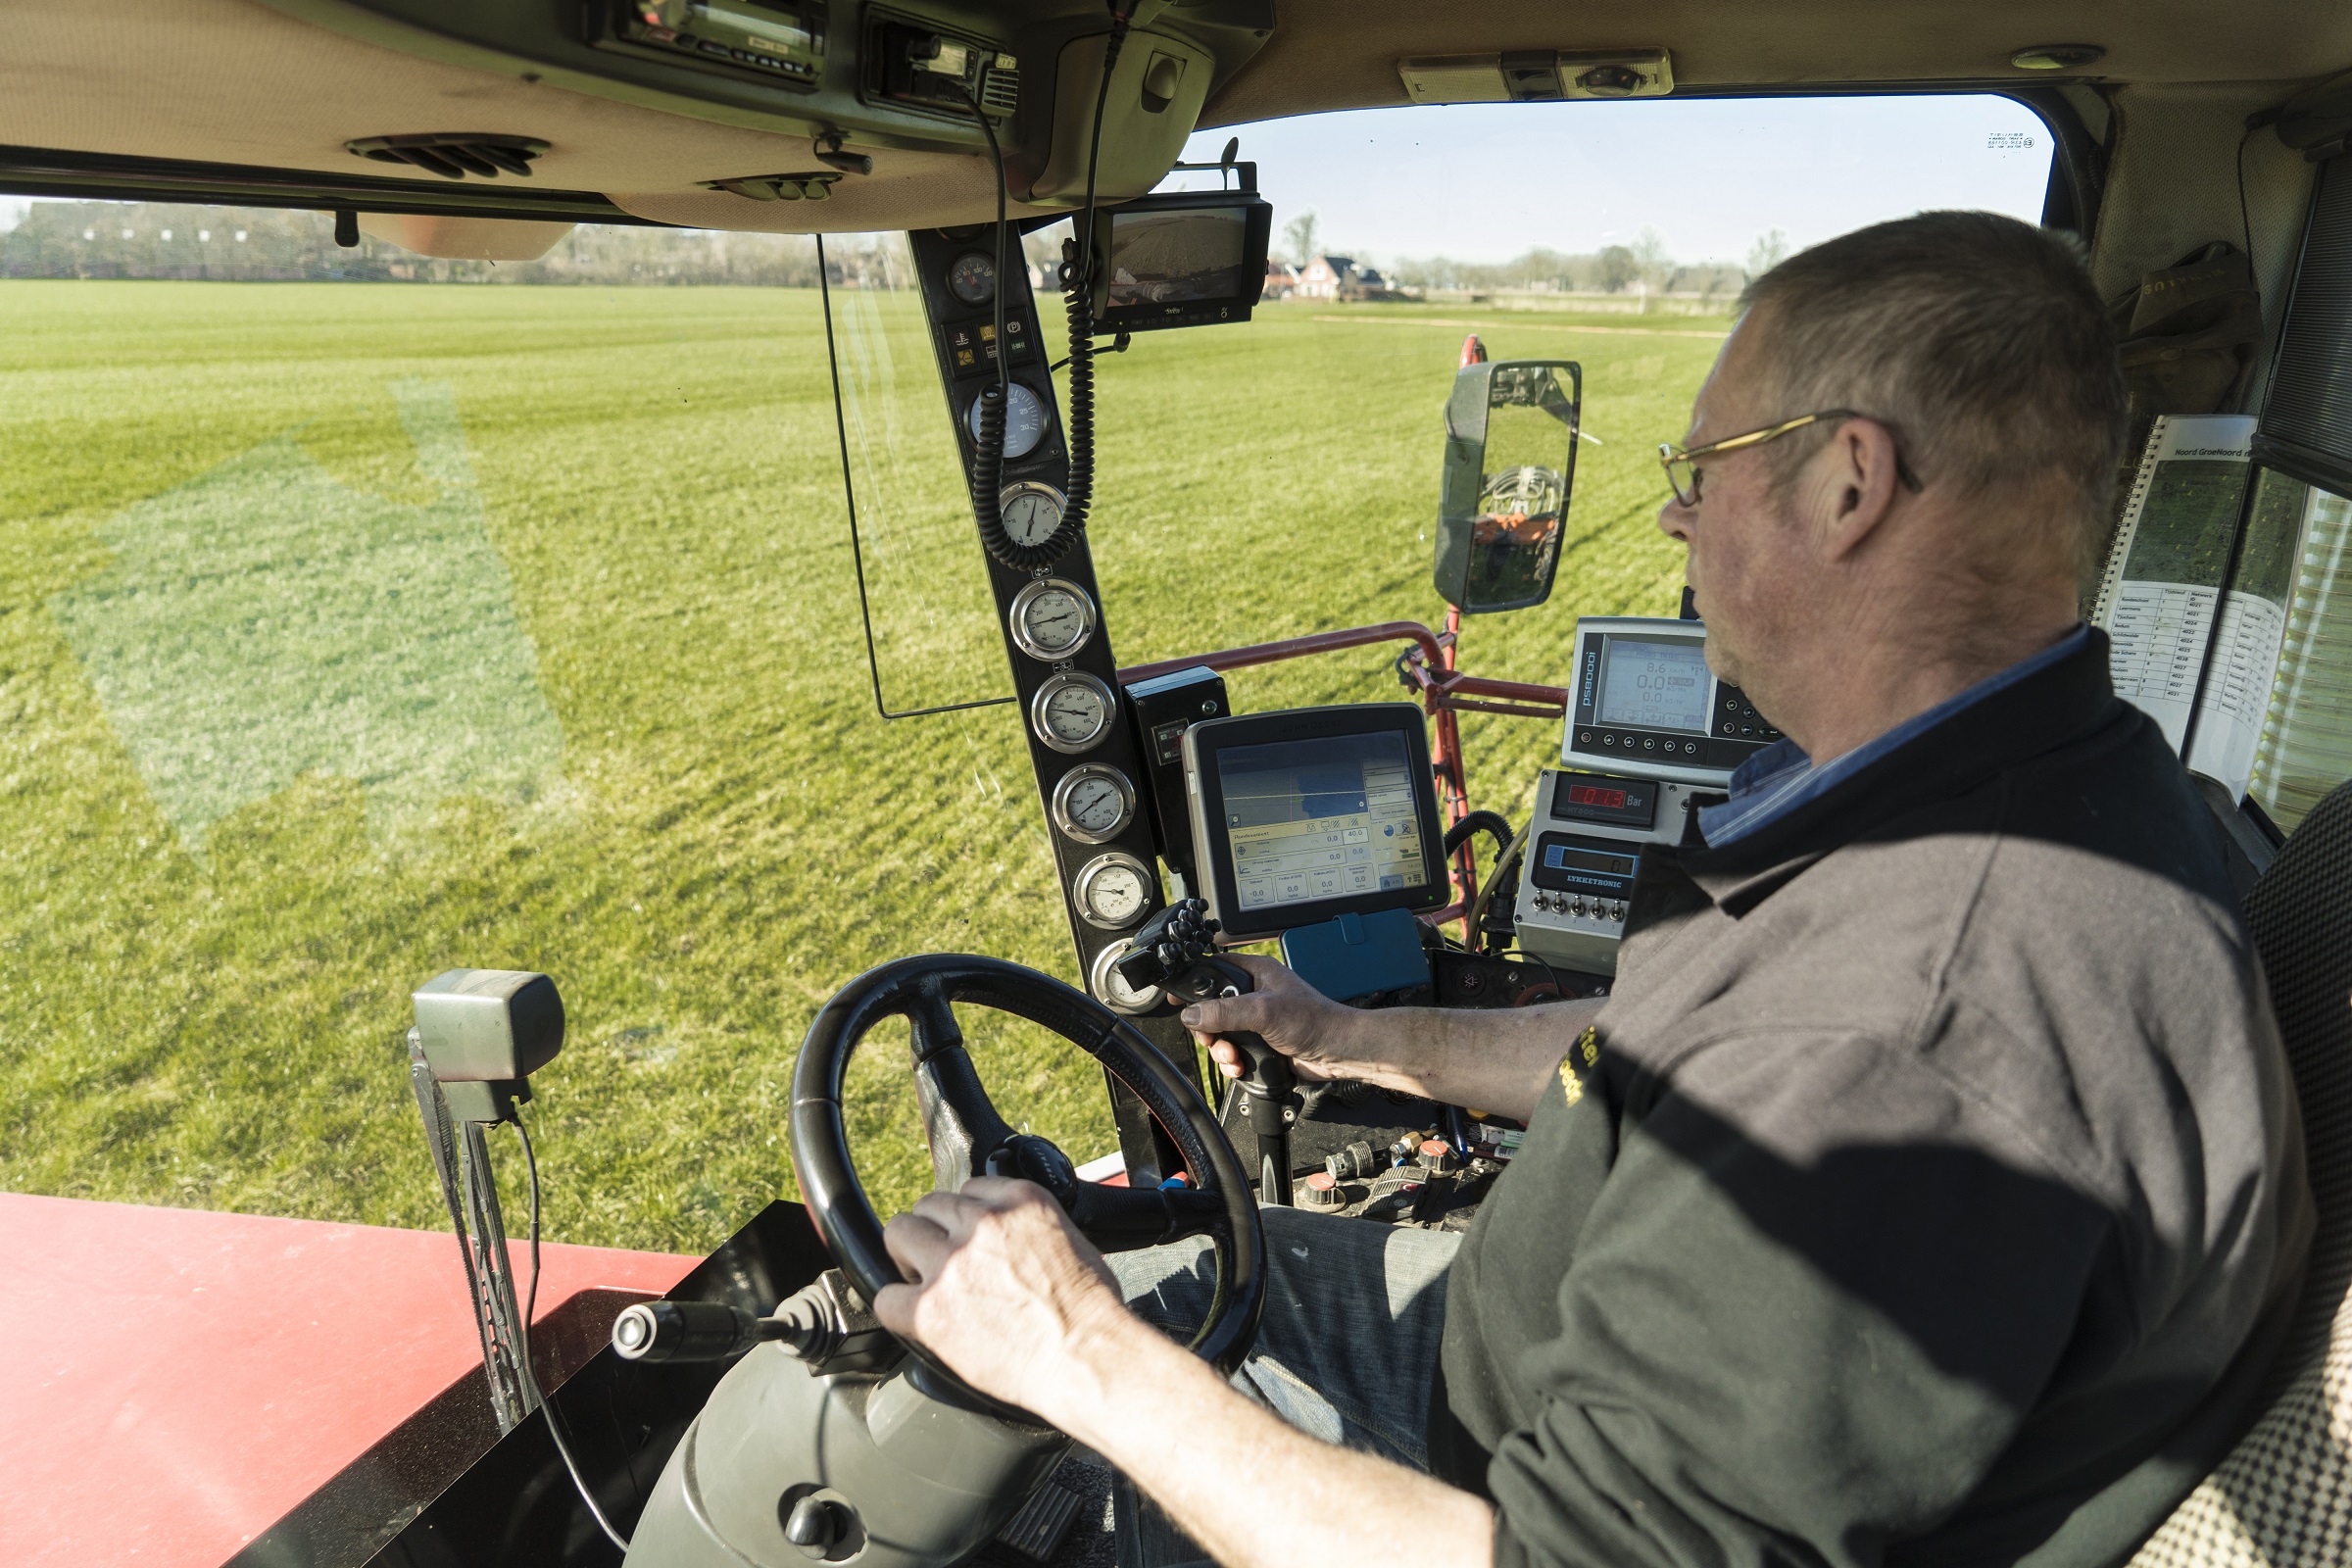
[{"x": 1003, "y": 209}]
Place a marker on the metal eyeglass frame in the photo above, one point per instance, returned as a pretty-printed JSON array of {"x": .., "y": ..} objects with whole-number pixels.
[{"x": 1670, "y": 455}]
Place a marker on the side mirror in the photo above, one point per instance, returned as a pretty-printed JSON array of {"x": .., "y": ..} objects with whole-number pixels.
[{"x": 1511, "y": 460}]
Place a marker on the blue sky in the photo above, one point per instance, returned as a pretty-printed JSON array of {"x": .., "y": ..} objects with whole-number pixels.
[{"x": 1487, "y": 181}]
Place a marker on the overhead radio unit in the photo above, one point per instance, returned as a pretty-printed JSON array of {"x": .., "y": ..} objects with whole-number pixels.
[
  {"x": 781, "y": 40},
  {"x": 1652, "y": 735}
]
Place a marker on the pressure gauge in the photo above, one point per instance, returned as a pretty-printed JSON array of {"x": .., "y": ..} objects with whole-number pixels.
[
  {"x": 1024, "y": 421},
  {"x": 1113, "y": 891},
  {"x": 1031, "y": 511},
  {"x": 1093, "y": 802},
  {"x": 1071, "y": 713},
  {"x": 1112, "y": 989},
  {"x": 1051, "y": 618},
  {"x": 973, "y": 278}
]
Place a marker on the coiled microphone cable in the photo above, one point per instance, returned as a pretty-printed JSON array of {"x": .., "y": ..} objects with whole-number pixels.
[{"x": 986, "y": 470}]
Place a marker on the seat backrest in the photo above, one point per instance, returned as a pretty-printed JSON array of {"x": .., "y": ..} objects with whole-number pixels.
[{"x": 2282, "y": 1497}]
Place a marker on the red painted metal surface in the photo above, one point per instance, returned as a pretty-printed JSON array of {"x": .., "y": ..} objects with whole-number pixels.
[{"x": 177, "y": 1380}]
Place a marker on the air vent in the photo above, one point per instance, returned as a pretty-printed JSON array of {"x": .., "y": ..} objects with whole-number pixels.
[
  {"x": 815, "y": 186},
  {"x": 453, "y": 154},
  {"x": 1001, "y": 89}
]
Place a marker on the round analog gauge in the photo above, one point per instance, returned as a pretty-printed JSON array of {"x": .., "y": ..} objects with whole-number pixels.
[
  {"x": 1031, "y": 511},
  {"x": 1051, "y": 618},
  {"x": 1071, "y": 712},
  {"x": 1024, "y": 421},
  {"x": 1112, "y": 986},
  {"x": 973, "y": 278},
  {"x": 1093, "y": 802},
  {"x": 1113, "y": 891}
]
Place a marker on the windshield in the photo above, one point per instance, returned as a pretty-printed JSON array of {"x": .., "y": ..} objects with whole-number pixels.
[{"x": 364, "y": 615}]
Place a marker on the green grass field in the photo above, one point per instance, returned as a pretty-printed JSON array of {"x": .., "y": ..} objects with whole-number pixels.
[{"x": 350, "y": 632}]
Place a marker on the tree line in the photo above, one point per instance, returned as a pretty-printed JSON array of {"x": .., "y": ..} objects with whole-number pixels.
[
  {"x": 260, "y": 244},
  {"x": 1611, "y": 269}
]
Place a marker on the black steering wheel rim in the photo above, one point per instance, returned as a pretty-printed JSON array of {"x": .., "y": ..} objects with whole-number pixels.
[{"x": 903, "y": 988}]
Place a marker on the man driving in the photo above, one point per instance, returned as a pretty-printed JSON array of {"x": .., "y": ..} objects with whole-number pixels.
[{"x": 1931, "y": 1190}]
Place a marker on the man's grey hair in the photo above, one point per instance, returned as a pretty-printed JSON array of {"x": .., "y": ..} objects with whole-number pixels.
[{"x": 1980, "y": 340}]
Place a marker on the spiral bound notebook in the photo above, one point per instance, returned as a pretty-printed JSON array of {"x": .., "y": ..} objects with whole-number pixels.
[{"x": 2158, "y": 597}]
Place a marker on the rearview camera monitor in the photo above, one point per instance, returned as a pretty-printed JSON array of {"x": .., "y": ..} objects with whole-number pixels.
[{"x": 1190, "y": 259}]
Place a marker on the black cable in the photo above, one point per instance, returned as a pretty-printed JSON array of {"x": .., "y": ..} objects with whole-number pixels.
[
  {"x": 1078, "y": 304},
  {"x": 530, "y": 1376},
  {"x": 2245, "y": 225},
  {"x": 1491, "y": 822}
]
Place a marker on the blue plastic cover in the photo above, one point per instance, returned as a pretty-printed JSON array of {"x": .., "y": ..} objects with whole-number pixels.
[{"x": 1358, "y": 954}]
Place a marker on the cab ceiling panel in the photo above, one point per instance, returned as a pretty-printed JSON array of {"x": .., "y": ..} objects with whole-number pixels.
[
  {"x": 290, "y": 84},
  {"x": 1344, "y": 54}
]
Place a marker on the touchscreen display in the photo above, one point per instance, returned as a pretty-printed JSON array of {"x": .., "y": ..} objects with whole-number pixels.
[
  {"x": 1327, "y": 819},
  {"x": 1164, "y": 258},
  {"x": 1655, "y": 685}
]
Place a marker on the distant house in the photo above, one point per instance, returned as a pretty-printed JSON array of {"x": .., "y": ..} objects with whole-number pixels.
[
  {"x": 1323, "y": 277},
  {"x": 1338, "y": 277},
  {"x": 1282, "y": 279}
]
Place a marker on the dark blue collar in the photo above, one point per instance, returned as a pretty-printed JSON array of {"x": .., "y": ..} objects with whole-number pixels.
[{"x": 1779, "y": 778}]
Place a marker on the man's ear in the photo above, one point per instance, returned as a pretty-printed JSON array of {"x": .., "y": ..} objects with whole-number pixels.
[{"x": 1856, "y": 485}]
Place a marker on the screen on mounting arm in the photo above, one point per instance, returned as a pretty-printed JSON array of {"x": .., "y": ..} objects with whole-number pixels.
[
  {"x": 1312, "y": 813},
  {"x": 1187, "y": 258}
]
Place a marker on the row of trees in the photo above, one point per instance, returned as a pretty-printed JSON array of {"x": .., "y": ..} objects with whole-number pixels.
[
  {"x": 1611, "y": 269},
  {"x": 153, "y": 240}
]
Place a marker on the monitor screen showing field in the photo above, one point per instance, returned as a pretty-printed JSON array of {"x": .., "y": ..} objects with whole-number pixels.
[
  {"x": 1166, "y": 258},
  {"x": 1655, "y": 685},
  {"x": 1330, "y": 818}
]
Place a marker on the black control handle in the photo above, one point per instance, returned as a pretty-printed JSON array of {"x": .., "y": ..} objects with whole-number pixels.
[{"x": 1176, "y": 952}]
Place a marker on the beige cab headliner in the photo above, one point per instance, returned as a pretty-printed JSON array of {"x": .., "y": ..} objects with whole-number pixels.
[{"x": 235, "y": 82}]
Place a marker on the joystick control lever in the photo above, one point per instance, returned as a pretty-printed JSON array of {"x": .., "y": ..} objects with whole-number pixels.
[{"x": 1176, "y": 952}]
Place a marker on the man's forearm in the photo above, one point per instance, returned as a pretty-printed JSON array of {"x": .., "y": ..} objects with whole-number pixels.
[
  {"x": 1253, "y": 1492},
  {"x": 1497, "y": 1059}
]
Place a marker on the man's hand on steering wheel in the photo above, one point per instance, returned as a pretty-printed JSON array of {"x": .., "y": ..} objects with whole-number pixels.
[{"x": 1006, "y": 1292}]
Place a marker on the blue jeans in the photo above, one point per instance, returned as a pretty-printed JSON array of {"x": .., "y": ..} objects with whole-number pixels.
[{"x": 1344, "y": 1353}]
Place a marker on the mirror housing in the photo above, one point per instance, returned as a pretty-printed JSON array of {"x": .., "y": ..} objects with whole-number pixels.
[{"x": 1512, "y": 428}]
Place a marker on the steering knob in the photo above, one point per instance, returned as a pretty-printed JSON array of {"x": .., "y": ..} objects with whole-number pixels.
[{"x": 1032, "y": 1158}]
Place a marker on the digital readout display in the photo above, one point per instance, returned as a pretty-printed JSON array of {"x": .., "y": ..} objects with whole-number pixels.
[
  {"x": 1560, "y": 857},
  {"x": 1601, "y": 798},
  {"x": 1655, "y": 685}
]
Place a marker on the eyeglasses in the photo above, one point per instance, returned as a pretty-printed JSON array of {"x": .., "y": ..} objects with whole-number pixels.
[{"x": 1682, "y": 464}]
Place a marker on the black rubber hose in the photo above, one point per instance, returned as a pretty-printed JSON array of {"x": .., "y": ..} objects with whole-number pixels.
[{"x": 1492, "y": 822}]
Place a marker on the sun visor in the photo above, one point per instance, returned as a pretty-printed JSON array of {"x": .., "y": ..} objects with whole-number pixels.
[{"x": 464, "y": 239}]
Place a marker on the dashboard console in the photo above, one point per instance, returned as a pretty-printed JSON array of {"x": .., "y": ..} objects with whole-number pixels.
[{"x": 1652, "y": 734}]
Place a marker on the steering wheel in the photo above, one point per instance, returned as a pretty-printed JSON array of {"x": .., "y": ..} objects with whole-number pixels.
[{"x": 967, "y": 1137}]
